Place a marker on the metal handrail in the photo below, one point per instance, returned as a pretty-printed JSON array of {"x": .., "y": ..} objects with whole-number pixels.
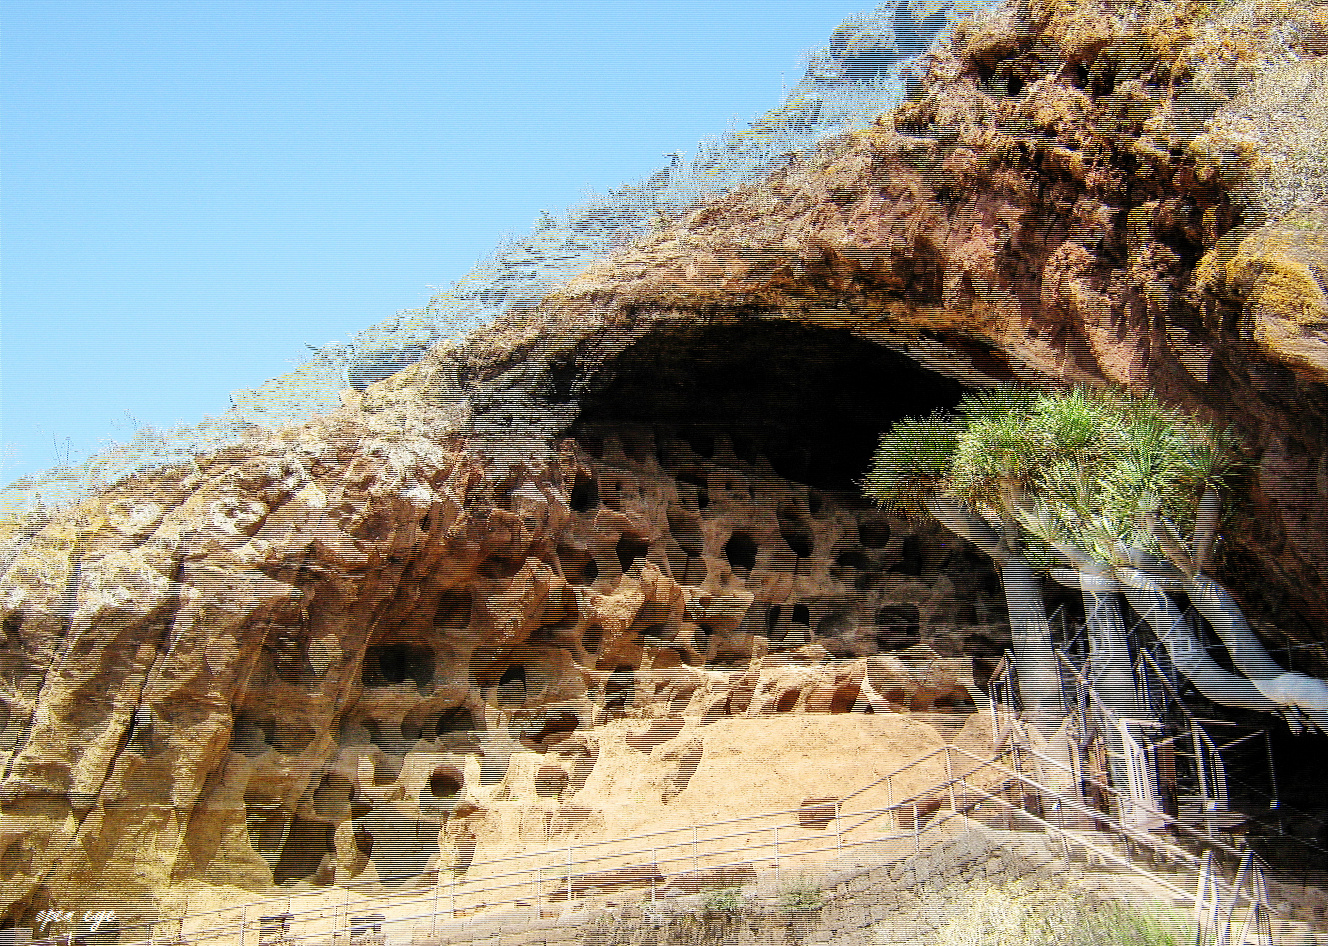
[
  {"x": 1215, "y": 916},
  {"x": 488, "y": 881},
  {"x": 536, "y": 874}
]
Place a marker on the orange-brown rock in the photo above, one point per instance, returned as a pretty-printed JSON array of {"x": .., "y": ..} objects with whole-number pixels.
[{"x": 565, "y": 555}]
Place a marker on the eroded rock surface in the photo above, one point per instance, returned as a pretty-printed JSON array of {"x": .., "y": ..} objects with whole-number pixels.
[
  {"x": 365, "y": 648},
  {"x": 340, "y": 660}
]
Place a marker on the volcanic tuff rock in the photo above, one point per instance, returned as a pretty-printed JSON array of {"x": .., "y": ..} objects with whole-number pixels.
[{"x": 341, "y": 650}]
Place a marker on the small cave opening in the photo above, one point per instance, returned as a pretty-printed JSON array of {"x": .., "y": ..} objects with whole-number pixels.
[
  {"x": 635, "y": 444},
  {"x": 910, "y": 558},
  {"x": 653, "y": 634},
  {"x": 305, "y": 847},
  {"x": 393, "y": 664},
  {"x": 799, "y": 542},
  {"x": 698, "y": 486},
  {"x": 445, "y": 782},
  {"x": 630, "y": 549},
  {"x": 579, "y": 567},
  {"x": 585, "y": 493},
  {"x": 386, "y": 768},
  {"x": 654, "y": 623},
  {"x": 619, "y": 689},
  {"x": 501, "y": 567},
  {"x": 745, "y": 448},
  {"x": 288, "y": 649},
  {"x": 457, "y": 719},
  {"x": 845, "y": 698},
  {"x": 453, "y": 611},
  {"x": 556, "y": 727},
  {"x": 797, "y": 534},
  {"x": 740, "y": 550},
  {"x": 874, "y": 533},
  {"x": 898, "y": 626},
  {"x": 512, "y": 686},
  {"x": 801, "y": 615},
  {"x": 853, "y": 558},
  {"x": 813, "y": 400},
  {"x": 559, "y": 616}
]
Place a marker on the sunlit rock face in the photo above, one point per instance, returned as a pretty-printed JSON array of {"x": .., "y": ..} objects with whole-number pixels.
[
  {"x": 342, "y": 658},
  {"x": 362, "y": 648},
  {"x": 356, "y": 656},
  {"x": 729, "y": 457}
]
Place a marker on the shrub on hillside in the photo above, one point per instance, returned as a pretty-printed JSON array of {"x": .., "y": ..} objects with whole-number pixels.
[
  {"x": 1278, "y": 124},
  {"x": 1019, "y": 914}
]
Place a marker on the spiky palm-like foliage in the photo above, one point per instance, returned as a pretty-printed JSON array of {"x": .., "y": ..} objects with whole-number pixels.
[
  {"x": 913, "y": 463},
  {"x": 1090, "y": 468},
  {"x": 1119, "y": 487}
]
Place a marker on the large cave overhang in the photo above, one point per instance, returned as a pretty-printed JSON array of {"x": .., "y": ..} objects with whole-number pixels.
[
  {"x": 812, "y": 400},
  {"x": 731, "y": 455}
]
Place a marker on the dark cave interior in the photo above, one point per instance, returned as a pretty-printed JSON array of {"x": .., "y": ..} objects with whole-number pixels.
[{"x": 814, "y": 401}]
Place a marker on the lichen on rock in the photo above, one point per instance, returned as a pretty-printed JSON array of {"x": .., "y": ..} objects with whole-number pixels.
[{"x": 582, "y": 556}]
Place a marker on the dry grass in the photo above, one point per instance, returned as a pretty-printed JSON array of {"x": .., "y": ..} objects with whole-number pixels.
[
  {"x": 1278, "y": 125},
  {"x": 1020, "y": 914}
]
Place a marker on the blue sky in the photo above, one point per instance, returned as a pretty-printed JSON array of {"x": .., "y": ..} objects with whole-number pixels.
[{"x": 193, "y": 189}]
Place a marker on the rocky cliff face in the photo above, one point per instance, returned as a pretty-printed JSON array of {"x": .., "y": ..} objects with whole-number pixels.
[{"x": 340, "y": 651}]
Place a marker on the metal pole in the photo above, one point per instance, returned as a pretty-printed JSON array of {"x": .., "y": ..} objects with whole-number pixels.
[
  {"x": 776, "y": 855},
  {"x": 949, "y": 779},
  {"x": 696, "y": 863},
  {"x": 1201, "y": 763},
  {"x": 437, "y": 882},
  {"x": 839, "y": 839},
  {"x": 244, "y": 921},
  {"x": 1272, "y": 780},
  {"x": 569, "y": 875}
]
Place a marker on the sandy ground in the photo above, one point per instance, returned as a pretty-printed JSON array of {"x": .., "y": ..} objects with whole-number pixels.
[{"x": 738, "y": 780}]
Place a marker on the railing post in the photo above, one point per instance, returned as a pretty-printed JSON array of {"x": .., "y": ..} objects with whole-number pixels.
[
  {"x": 437, "y": 882},
  {"x": 917, "y": 841},
  {"x": 1272, "y": 781},
  {"x": 696, "y": 861},
  {"x": 1201, "y": 764},
  {"x": 569, "y": 875},
  {"x": 244, "y": 920},
  {"x": 839, "y": 838},
  {"x": 776, "y": 855},
  {"x": 949, "y": 780}
]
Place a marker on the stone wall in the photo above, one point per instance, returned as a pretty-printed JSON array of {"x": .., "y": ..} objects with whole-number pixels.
[{"x": 855, "y": 901}]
